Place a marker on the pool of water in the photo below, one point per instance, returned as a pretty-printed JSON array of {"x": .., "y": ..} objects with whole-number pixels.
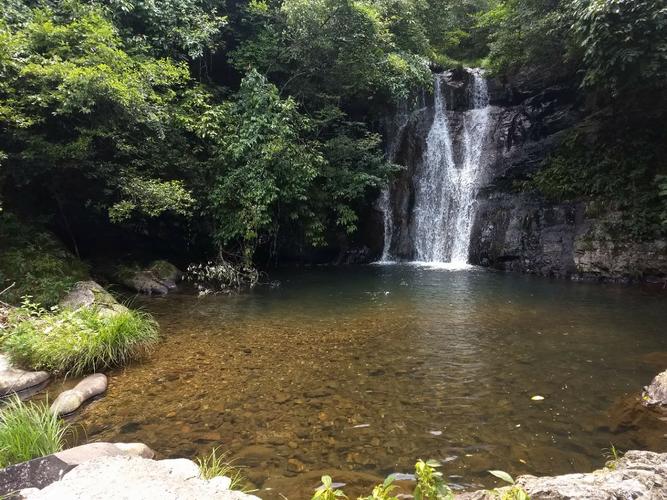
[{"x": 359, "y": 372}]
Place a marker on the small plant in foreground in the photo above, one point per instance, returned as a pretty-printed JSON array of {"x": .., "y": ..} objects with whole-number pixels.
[
  {"x": 27, "y": 431},
  {"x": 326, "y": 491},
  {"x": 516, "y": 492},
  {"x": 430, "y": 482},
  {"x": 430, "y": 486},
  {"x": 216, "y": 464},
  {"x": 613, "y": 456},
  {"x": 383, "y": 491},
  {"x": 76, "y": 342}
]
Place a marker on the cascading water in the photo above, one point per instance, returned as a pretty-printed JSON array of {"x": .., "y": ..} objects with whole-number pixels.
[{"x": 446, "y": 182}]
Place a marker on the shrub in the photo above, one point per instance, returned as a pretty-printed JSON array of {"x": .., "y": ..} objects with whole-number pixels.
[
  {"x": 80, "y": 341},
  {"x": 27, "y": 431}
]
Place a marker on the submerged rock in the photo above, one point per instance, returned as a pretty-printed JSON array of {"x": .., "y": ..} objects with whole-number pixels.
[
  {"x": 70, "y": 401},
  {"x": 639, "y": 474},
  {"x": 14, "y": 380},
  {"x": 656, "y": 392},
  {"x": 91, "y": 294},
  {"x": 158, "y": 278},
  {"x": 136, "y": 478}
]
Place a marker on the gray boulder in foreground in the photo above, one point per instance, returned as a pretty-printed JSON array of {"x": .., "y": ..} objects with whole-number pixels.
[
  {"x": 656, "y": 392},
  {"x": 135, "y": 478},
  {"x": 14, "y": 379},
  {"x": 70, "y": 400},
  {"x": 40, "y": 472},
  {"x": 637, "y": 475}
]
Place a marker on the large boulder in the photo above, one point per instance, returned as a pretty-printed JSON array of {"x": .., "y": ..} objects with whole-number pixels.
[
  {"x": 91, "y": 294},
  {"x": 13, "y": 380},
  {"x": 70, "y": 400},
  {"x": 638, "y": 475},
  {"x": 158, "y": 278},
  {"x": 41, "y": 472},
  {"x": 136, "y": 478},
  {"x": 655, "y": 394}
]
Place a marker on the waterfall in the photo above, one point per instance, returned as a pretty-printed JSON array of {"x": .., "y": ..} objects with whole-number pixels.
[{"x": 446, "y": 182}]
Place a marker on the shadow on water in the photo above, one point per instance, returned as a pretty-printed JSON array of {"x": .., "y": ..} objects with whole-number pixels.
[{"x": 358, "y": 372}]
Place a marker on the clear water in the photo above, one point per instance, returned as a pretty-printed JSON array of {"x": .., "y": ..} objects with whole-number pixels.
[{"x": 359, "y": 372}]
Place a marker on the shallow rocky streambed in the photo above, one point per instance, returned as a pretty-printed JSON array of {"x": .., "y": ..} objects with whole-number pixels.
[{"x": 357, "y": 373}]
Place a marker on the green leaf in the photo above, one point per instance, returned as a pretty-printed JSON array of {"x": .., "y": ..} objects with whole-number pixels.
[{"x": 502, "y": 475}]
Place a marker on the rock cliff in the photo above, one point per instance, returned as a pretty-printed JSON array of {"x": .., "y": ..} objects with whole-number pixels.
[{"x": 512, "y": 229}]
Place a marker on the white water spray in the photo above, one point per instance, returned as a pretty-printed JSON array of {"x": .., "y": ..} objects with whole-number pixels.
[{"x": 444, "y": 189}]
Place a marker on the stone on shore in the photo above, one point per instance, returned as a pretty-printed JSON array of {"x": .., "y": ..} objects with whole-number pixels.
[
  {"x": 123, "y": 477},
  {"x": 158, "y": 278},
  {"x": 656, "y": 393},
  {"x": 70, "y": 400},
  {"x": 40, "y": 472},
  {"x": 637, "y": 475},
  {"x": 14, "y": 380},
  {"x": 91, "y": 294}
]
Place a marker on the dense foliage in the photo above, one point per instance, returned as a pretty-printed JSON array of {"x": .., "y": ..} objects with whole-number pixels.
[{"x": 252, "y": 125}]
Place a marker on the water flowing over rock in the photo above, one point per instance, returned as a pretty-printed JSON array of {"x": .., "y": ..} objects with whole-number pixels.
[
  {"x": 467, "y": 151},
  {"x": 436, "y": 219}
]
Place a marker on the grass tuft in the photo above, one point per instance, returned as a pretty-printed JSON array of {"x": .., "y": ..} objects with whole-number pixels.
[
  {"x": 216, "y": 464},
  {"x": 27, "y": 431},
  {"x": 82, "y": 341}
]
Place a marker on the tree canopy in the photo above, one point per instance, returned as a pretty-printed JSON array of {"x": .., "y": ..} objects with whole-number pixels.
[{"x": 248, "y": 123}]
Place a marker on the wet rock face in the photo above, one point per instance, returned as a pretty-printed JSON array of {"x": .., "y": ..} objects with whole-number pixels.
[
  {"x": 514, "y": 230},
  {"x": 515, "y": 233},
  {"x": 524, "y": 126},
  {"x": 639, "y": 474}
]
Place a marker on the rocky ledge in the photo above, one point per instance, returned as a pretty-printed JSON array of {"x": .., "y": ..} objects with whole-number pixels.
[
  {"x": 137, "y": 478},
  {"x": 637, "y": 475}
]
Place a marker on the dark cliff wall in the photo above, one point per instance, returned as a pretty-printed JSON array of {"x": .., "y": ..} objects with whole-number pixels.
[{"x": 515, "y": 230}]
